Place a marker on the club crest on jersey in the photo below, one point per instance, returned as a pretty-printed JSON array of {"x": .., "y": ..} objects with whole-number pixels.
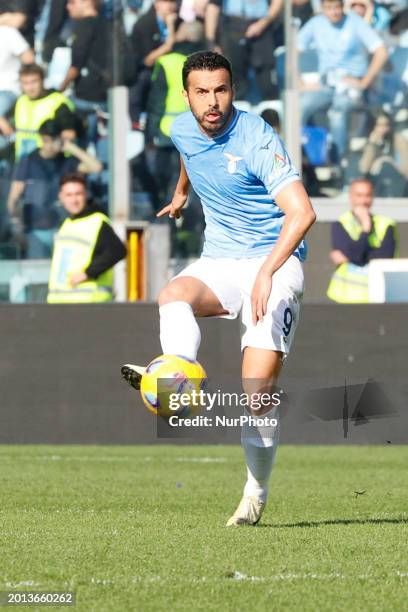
[
  {"x": 232, "y": 162},
  {"x": 279, "y": 166},
  {"x": 280, "y": 161}
]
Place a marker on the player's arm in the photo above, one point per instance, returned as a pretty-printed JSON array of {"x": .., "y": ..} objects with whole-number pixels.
[
  {"x": 299, "y": 217},
  {"x": 180, "y": 195}
]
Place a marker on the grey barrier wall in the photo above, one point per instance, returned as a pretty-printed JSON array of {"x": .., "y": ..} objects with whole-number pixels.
[{"x": 60, "y": 374}]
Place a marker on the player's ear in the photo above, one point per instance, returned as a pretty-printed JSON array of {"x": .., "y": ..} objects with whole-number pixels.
[
  {"x": 233, "y": 91},
  {"x": 185, "y": 94}
]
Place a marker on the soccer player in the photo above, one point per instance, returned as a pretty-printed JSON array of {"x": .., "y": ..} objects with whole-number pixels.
[{"x": 257, "y": 214}]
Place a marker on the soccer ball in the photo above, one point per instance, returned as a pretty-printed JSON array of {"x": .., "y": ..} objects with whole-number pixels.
[{"x": 167, "y": 378}]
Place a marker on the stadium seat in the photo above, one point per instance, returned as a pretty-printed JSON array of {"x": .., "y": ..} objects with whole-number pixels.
[
  {"x": 243, "y": 105},
  {"x": 58, "y": 67},
  {"x": 308, "y": 66}
]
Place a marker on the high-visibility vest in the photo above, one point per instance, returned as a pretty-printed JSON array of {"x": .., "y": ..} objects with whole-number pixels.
[
  {"x": 73, "y": 250},
  {"x": 30, "y": 114},
  {"x": 172, "y": 64},
  {"x": 349, "y": 283}
]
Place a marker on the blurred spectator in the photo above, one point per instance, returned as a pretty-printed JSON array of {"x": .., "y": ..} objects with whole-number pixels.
[
  {"x": 343, "y": 44},
  {"x": 153, "y": 35},
  {"x": 394, "y": 6},
  {"x": 271, "y": 116},
  {"x": 131, "y": 14},
  {"x": 14, "y": 51},
  {"x": 190, "y": 10},
  {"x": 89, "y": 72},
  {"x": 165, "y": 102},
  {"x": 246, "y": 38},
  {"x": 86, "y": 249},
  {"x": 32, "y": 108},
  {"x": 57, "y": 20},
  {"x": 357, "y": 238},
  {"x": 372, "y": 12},
  {"x": 166, "y": 99},
  {"x": 302, "y": 10},
  {"x": 385, "y": 158},
  {"x": 21, "y": 14},
  {"x": 399, "y": 26},
  {"x": 35, "y": 185}
]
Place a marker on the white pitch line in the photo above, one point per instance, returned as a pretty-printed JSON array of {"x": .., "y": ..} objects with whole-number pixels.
[
  {"x": 201, "y": 459},
  {"x": 241, "y": 577}
]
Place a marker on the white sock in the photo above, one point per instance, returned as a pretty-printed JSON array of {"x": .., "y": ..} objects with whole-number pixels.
[
  {"x": 179, "y": 332},
  {"x": 260, "y": 444}
]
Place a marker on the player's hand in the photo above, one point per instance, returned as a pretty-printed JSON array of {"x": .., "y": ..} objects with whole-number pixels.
[
  {"x": 260, "y": 295},
  {"x": 174, "y": 208},
  {"x": 77, "y": 277}
]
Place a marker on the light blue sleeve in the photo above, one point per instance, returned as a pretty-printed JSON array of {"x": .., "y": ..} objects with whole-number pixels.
[
  {"x": 368, "y": 36},
  {"x": 269, "y": 161},
  {"x": 306, "y": 35}
]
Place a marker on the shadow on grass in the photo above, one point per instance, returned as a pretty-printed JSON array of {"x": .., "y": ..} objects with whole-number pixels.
[{"x": 368, "y": 521}]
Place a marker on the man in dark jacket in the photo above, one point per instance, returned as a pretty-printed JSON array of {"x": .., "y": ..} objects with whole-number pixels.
[
  {"x": 357, "y": 238},
  {"x": 89, "y": 53}
]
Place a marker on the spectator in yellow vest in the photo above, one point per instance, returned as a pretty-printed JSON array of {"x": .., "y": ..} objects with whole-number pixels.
[
  {"x": 85, "y": 251},
  {"x": 35, "y": 106},
  {"x": 165, "y": 102},
  {"x": 357, "y": 238}
]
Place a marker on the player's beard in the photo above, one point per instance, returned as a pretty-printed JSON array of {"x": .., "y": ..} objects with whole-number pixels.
[{"x": 212, "y": 128}]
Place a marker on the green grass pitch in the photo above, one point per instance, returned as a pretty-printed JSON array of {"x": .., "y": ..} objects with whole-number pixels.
[{"x": 142, "y": 528}]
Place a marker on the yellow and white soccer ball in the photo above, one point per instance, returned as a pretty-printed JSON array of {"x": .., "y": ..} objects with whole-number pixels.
[{"x": 168, "y": 377}]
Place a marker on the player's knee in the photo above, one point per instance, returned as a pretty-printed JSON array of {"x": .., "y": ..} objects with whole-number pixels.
[{"x": 173, "y": 292}]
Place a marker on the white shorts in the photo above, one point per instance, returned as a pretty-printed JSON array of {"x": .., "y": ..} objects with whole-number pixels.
[{"x": 232, "y": 280}]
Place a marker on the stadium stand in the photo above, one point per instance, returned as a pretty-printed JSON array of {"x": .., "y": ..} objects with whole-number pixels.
[{"x": 149, "y": 29}]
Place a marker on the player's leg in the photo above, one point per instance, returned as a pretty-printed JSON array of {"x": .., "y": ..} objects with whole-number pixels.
[
  {"x": 201, "y": 290},
  {"x": 180, "y": 302},
  {"x": 264, "y": 346},
  {"x": 260, "y": 371}
]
